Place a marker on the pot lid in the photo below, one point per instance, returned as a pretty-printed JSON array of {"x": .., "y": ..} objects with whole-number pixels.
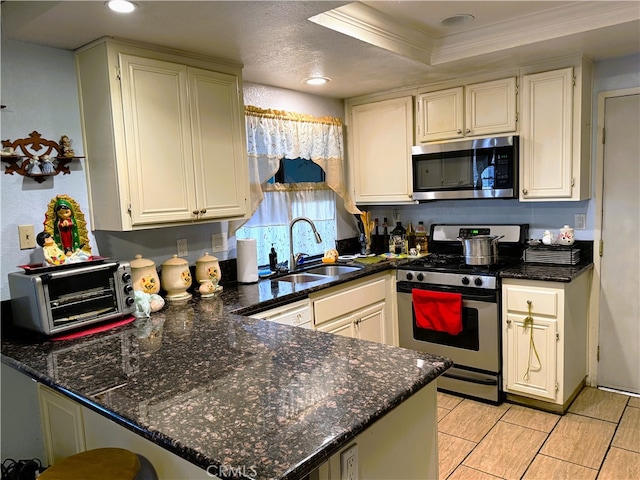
[
  {"x": 175, "y": 261},
  {"x": 140, "y": 262},
  {"x": 206, "y": 258}
]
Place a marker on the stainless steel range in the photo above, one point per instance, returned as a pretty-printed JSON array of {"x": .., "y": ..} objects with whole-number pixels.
[{"x": 476, "y": 350}]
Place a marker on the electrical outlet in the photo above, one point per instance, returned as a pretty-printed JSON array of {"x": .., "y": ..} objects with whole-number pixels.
[
  {"x": 219, "y": 242},
  {"x": 580, "y": 221},
  {"x": 182, "y": 247},
  {"x": 349, "y": 463},
  {"x": 27, "y": 237}
]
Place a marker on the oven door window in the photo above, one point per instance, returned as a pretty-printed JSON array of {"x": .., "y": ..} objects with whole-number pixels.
[{"x": 468, "y": 338}]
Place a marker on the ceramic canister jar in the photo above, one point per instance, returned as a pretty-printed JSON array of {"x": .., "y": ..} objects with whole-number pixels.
[
  {"x": 566, "y": 236},
  {"x": 208, "y": 274},
  {"x": 144, "y": 274},
  {"x": 176, "y": 278}
]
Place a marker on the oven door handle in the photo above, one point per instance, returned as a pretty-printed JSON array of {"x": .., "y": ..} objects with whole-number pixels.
[{"x": 480, "y": 381}]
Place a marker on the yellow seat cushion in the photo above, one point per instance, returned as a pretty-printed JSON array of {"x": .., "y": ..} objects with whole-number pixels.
[{"x": 97, "y": 464}]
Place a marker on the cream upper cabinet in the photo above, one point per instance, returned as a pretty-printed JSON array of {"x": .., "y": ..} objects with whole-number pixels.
[
  {"x": 380, "y": 139},
  {"x": 544, "y": 327},
  {"x": 164, "y": 138},
  {"x": 555, "y": 135},
  {"x": 473, "y": 110}
]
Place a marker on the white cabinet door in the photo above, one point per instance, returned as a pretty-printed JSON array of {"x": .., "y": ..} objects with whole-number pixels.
[
  {"x": 370, "y": 323},
  {"x": 158, "y": 140},
  {"x": 345, "y": 327},
  {"x": 381, "y": 138},
  {"x": 490, "y": 107},
  {"x": 218, "y": 145},
  {"x": 473, "y": 110},
  {"x": 62, "y": 425},
  {"x": 441, "y": 115},
  {"x": 547, "y": 125},
  {"x": 531, "y": 356}
]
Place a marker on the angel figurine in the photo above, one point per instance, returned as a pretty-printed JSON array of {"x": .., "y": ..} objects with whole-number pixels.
[
  {"x": 47, "y": 165},
  {"x": 65, "y": 143},
  {"x": 33, "y": 168}
]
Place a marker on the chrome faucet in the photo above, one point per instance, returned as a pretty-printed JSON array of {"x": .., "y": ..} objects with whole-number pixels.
[{"x": 293, "y": 258}]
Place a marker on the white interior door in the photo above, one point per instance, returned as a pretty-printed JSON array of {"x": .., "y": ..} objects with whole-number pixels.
[{"x": 619, "y": 336}]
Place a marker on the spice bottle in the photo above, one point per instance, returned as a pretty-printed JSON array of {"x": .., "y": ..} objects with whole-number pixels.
[{"x": 273, "y": 259}]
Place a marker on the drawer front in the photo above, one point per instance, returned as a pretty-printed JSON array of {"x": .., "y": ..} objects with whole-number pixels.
[
  {"x": 543, "y": 301},
  {"x": 349, "y": 300}
]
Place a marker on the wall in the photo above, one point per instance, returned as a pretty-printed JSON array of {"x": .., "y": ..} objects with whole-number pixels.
[{"x": 40, "y": 91}]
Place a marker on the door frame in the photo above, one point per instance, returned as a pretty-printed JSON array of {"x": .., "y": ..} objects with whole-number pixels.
[{"x": 594, "y": 304}]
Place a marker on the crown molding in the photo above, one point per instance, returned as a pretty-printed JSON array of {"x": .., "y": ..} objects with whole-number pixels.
[
  {"x": 564, "y": 21},
  {"x": 364, "y": 23}
]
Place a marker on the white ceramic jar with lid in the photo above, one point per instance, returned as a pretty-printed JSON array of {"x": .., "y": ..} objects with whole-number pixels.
[
  {"x": 176, "y": 278},
  {"x": 566, "y": 236},
  {"x": 144, "y": 274},
  {"x": 208, "y": 275}
]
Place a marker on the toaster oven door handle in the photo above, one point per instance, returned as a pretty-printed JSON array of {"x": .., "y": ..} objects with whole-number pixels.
[{"x": 47, "y": 277}]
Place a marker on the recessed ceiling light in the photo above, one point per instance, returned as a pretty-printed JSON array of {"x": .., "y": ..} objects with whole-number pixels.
[
  {"x": 316, "y": 80},
  {"x": 457, "y": 20},
  {"x": 121, "y": 6}
]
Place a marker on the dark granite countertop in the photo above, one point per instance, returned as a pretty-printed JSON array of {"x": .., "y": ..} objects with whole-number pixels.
[
  {"x": 222, "y": 389},
  {"x": 547, "y": 273}
]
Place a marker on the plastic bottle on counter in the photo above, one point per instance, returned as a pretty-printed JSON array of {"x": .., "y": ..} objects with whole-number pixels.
[
  {"x": 376, "y": 239},
  {"x": 273, "y": 259}
]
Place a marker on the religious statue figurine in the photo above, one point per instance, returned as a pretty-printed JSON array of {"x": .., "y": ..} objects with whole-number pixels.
[
  {"x": 53, "y": 255},
  {"x": 66, "y": 224},
  {"x": 65, "y": 143}
]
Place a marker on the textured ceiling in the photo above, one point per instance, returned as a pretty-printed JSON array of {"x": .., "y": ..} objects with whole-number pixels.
[{"x": 373, "y": 46}]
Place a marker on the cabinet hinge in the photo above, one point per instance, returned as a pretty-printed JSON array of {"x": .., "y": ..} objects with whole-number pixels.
[
  {"x": 557, "y": 336},
  {"x": 129, "y": 208},
  {"x": 604, "y": 135},
  {"x": 573, "y": 182},
  {"x": 517, "y": 118},
  {"x": 574, "y": 80},
  {"x": 601, "y": 248},
  {"x": 118, "y": 76},
  {"x": 598, "y": 354},
  {"x": 557, "y": 387}
]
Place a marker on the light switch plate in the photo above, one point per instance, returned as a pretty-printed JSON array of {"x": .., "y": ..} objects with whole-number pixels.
[{"x": 27, "y": 237}]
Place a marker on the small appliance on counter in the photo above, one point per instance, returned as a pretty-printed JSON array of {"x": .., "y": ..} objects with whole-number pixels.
[{"x": 51, "y": 300}]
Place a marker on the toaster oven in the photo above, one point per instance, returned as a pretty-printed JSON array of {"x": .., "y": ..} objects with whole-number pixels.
[{"x": 60, "y": 299}]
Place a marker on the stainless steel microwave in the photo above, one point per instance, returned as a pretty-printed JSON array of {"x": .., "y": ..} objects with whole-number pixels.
[
  {"x": 70, "y": 296},
  {"x": 480, "y": 168}
]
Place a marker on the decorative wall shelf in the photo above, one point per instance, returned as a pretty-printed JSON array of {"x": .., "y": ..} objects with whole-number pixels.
[{"x": 37, "y": 157}]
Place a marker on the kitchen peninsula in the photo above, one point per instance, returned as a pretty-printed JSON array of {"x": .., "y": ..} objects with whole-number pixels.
[{"x": 246, "y": 398}]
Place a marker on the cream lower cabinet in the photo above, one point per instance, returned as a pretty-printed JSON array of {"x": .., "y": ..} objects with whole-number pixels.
[
  {"x": 544, "y": 334},
  {"x": 358, "y": 309},
  {"x": 380, "y": 138},
  {"x": 472, "y": 110},
  {"x": 71, "y": 428},
  {"x": 555, "y": 141},
  {"x": 164, "y": 137}
]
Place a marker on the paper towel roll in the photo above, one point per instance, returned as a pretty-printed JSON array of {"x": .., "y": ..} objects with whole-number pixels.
[{"x": 247, "y": 260}]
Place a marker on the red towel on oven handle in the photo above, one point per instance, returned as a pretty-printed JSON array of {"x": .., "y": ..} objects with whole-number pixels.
[{"x": 439, "y": 311}]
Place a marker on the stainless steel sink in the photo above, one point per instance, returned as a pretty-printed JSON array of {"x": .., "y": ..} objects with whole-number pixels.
[
  {"x": 332, "y": 270},
  {"x": 301, "y": 278}
]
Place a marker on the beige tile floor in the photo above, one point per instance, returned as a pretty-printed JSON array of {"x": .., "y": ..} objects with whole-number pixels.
[{"x": 598, "y": 438}]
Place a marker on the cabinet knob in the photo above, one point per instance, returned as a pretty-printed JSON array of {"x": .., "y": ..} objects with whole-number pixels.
[
  {"x": 508, "y": 322},
  {"x": 458, "y": 131},
  {"x": 525, "y": 191},
  {"x": 467, "y": 131},
  {"x": 195, "y": 212},
  {"x": 204, "y": 210}
]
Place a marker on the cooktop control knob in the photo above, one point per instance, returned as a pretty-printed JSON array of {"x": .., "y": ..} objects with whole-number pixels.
[
  {"x": 465, "y": 280},
  {"x": 478, "y": 282},
  {"x": 420, "y": 277},
  {"x": 409, "y": 276}
]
